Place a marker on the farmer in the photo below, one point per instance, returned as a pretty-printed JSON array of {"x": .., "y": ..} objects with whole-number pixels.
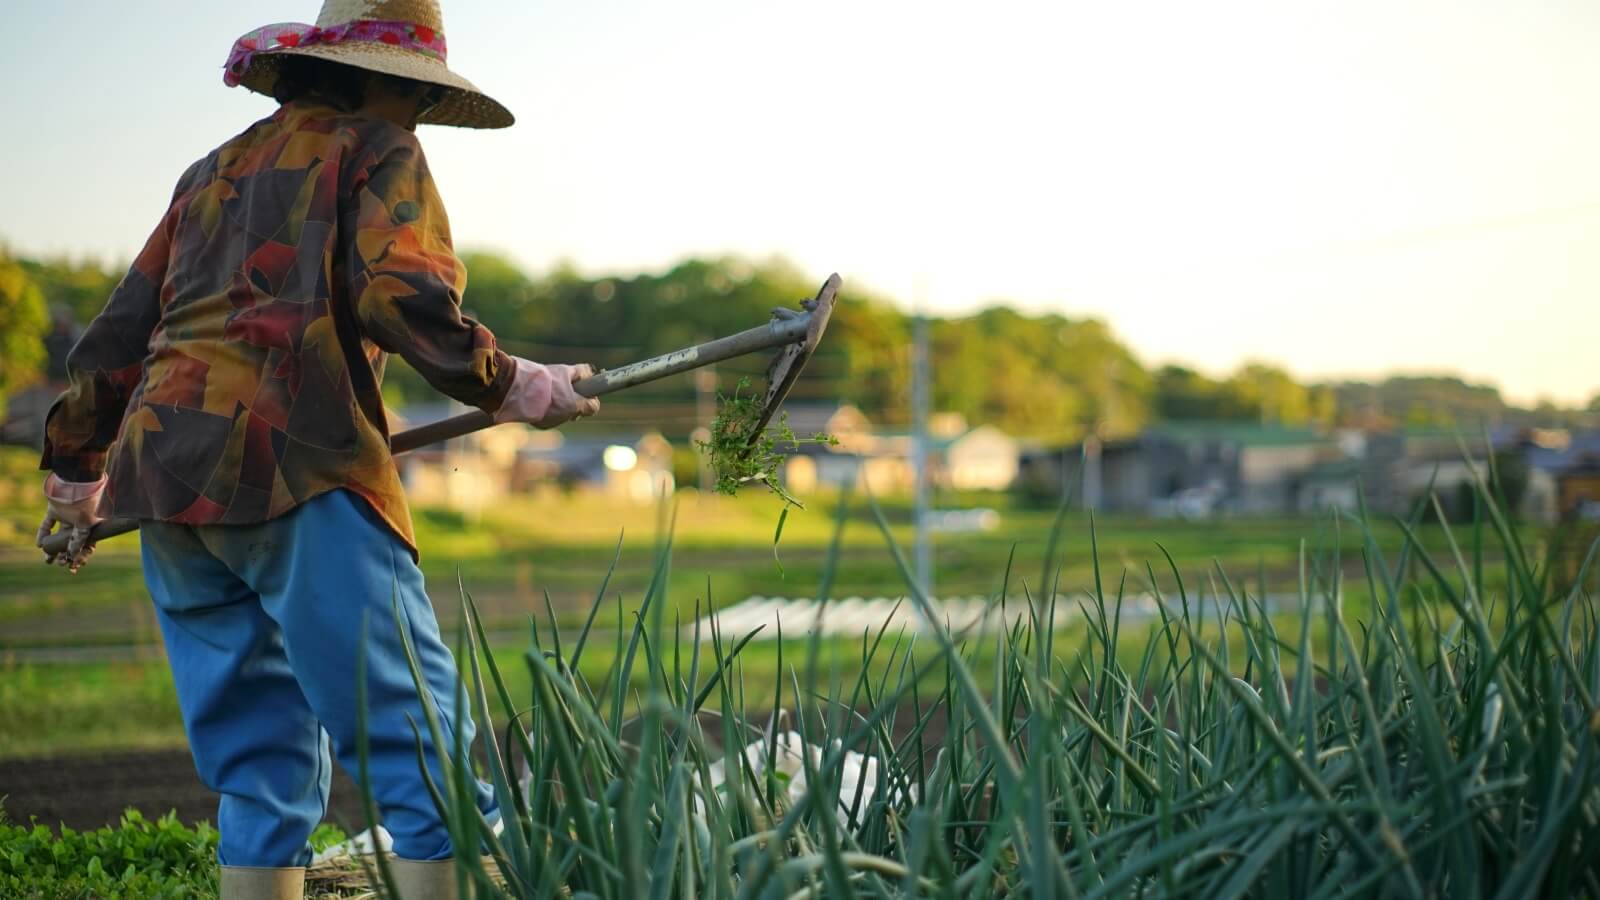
[{"x": 228, "y": 397}]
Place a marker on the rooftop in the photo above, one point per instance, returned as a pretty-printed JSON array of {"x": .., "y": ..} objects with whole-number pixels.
[{"x": 1246, "y": 434}]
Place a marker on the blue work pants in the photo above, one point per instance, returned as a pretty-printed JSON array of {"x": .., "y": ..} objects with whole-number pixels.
[{"x": 262, "y": 626}]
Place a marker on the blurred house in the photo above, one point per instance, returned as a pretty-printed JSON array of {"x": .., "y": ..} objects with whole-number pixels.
[
  {"x": 1255, "y": 468},
  {"x": 1578, "y": 510},
  {"x": 1578, "y": 491},
  {"x": 635, "y": 467},
  {"x": 1561, "y": 465},
  {"x": 978, "y": 459},
  {"x": 1330, "y": 484},
  {"x": 1197, "y": 469},
  {"x": 464, "y": 473},
  {"x": 469, "y": 472},
  {"x": 841, "y": 420},
  {"x": 959, "y": 457},
  {"x": 810, "y": 464},
  {"x": 1400, "y": 466},
  {"x": 1192, "y": 469}
]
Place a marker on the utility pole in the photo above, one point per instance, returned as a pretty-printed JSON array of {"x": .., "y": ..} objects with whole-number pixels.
[
  {"x": 1091, "y": 471},
  {"x": 919, "y": 450},
  {"x": 1094, "y": 441},
  {"x": 705, "y": 409}
]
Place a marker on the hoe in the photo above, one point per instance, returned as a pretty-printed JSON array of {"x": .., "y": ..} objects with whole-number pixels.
[{"x": 795, "y": 334}]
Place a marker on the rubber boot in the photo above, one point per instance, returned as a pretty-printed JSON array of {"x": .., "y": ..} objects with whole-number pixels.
[
  {"x": 433, "y": 879},
  {"x": 249, "y": 883}
]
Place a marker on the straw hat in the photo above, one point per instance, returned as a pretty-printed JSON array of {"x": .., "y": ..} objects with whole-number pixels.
[{"x": 395, "y": 37}]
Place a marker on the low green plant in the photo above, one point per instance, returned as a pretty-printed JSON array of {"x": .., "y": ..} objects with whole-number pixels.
[
  {"x": 325, "y": 836},
  {"x": 1446, "y": 746},
  {"x": 136, "y": 859}
]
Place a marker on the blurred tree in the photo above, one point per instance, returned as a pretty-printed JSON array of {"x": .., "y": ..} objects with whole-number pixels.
[
  {"x": 83, "y": 286},
  {"x": 1182, "y": 393},
  {"x": 1419, "y": 400},
  {"x": 1324, "y": 406},
  {"x": 1115, "y": 386},
  {"x": 959, "y": 368},
  {"x": 1257, "y": 392},
  {"x": 1038, "y": 376},
  {"x": 23, "y": 325},
  {"x": 1270, "y": 394},
  {"x": 1033, "y": 375},
  {"x": 866, "y": 359},
  {"x": 501, "y": 295},
  {"x": 402, "y": 385}
]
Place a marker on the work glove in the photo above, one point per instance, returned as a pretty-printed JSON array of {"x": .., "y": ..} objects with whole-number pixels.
[
  {"x": 543, "y": 397},
  {"x": 75, "y": 506}
]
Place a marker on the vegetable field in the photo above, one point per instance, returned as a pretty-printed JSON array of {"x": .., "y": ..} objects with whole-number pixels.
[
  {"x": 1445, "y": 745},
  {"x": 1422, "y": 721}
]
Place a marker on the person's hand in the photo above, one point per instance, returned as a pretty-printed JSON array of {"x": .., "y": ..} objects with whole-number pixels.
[
  {"x": 543, "y": 396},
  {"x": 75, "y": 506}
]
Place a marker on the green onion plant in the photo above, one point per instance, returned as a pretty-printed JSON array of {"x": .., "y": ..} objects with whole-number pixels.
[{"x": 1440, "y": 740}]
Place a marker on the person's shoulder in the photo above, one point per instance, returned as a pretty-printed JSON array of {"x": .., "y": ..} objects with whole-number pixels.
[{"x": 225, "y": 155}]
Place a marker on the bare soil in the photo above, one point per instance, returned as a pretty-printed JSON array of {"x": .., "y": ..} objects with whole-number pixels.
[{"x": 89, "y": 791}]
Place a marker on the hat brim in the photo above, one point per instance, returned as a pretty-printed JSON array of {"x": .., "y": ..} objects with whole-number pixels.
[{"x": 463, "y": 105}]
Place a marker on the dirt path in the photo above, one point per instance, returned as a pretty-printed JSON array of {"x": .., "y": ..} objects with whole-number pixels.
[{"x": 92, "y": 790}]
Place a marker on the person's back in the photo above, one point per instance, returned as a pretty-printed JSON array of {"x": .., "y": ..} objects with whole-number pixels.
[{"x": 291, "y": 259}]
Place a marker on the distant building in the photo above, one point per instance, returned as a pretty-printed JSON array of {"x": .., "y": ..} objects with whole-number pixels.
[
  {"x": 1578, "y": 502},
  {"x": 469, "y": 472},
  {"x": 980, "y": 459},
  {"x": 1256, "y": 467},
  {"x": 810, "y": 464},
  {"x": 1331, "y": 484},
  {"x": 843, "y": 421},
  {"x": 1191, "y": 469},
  {"x": 1196, "y": 469},
  {"x": 1401, "y": 466},
  {"x": 637, "y": 468},
  {"x": 960, "y": 458},
  {"x": 1578, "y": 491},
  {"x": 464, "y": 473}
]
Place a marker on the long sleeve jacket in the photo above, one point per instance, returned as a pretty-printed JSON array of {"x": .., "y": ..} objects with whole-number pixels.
[{"x": 235, "y": 371}]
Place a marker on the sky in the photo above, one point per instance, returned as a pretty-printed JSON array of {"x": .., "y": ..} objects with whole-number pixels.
[{"x": 1346, "y": 189}]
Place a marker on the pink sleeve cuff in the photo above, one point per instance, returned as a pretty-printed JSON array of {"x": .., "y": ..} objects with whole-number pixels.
[
  {"x": 528, "y": 398},
  {"x": 59, "y": 490}
]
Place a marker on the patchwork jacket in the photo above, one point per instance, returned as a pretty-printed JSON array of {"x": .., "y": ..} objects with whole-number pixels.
[{"x": 235, "y": 371}]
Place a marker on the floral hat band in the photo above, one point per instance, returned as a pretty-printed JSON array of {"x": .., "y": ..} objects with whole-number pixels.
[
  {"x": 294, "y": 35},
  {"x": 403, "y": 38}
]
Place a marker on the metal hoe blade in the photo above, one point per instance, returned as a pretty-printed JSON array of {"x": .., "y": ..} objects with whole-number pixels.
[{"x": 787, "y": 365}]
